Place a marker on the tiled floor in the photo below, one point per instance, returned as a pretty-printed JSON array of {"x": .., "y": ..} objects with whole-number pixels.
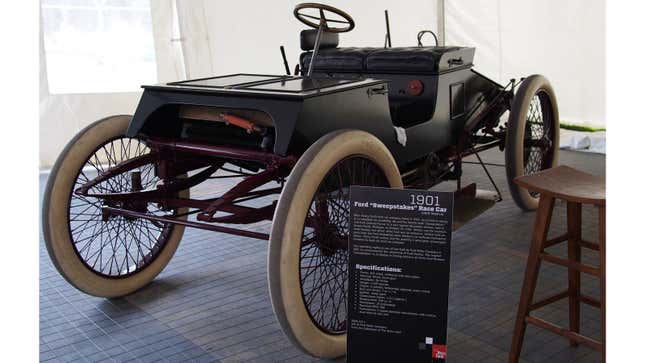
[{"x": 211, "y": 303}]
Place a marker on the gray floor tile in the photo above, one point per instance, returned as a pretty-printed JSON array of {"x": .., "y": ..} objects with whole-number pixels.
[{"x": 211, "y": 303}]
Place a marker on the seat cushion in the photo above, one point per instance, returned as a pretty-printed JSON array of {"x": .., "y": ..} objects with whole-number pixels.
[
  {"x": 390, "y": 60},
  {"x": 308, "y": 39},
  {"x": 350, "y": 59},
  {"x": 407, "y": 59}
]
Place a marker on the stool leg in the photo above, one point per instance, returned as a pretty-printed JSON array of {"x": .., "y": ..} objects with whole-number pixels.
[
  {"x": 540, "y": 231},
  {"x": 574, "y": 230},
  {"x": 601, "y": 244}
]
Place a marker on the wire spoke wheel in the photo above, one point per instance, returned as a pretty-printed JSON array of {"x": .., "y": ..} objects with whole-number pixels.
[
  {"x": 101, "y": 253},
  {"x": 308, "y": 245},
  {"x": 533, "y": 136},
  {"x": 323, "y": 253},
  {"x": 114, "y": 245},
  {"x": 538, "y": 142}
]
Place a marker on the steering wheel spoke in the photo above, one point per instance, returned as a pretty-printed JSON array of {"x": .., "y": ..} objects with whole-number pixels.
[
  {"x": 326, "y": 20},
  {"x": 323, "y": 21},
  {"x": 336, "y": 21}
]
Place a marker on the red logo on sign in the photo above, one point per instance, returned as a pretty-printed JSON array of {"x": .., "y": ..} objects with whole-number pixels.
[{"x": 438, "y": 351}]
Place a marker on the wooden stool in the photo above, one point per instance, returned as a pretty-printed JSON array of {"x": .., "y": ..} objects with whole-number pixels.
[{"x": 576, "y": 188}]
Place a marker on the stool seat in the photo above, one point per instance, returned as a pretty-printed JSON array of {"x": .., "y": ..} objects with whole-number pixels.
[{"x": 564, "y": 182}]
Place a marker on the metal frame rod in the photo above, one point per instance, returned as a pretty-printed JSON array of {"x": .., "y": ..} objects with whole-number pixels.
[
  {"x": 441, "y": 22},
  {"x": 226, "y": 152},
  {"x": 310, "y": 71},
  {"x": 388, "y": 38},
  {"x": 187, "y": 223},
  {"x": 284, "y": 59},
  {"x": 475, "y": 149}
]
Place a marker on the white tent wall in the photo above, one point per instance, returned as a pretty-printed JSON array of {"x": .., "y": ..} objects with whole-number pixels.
[
  {"x": 562, "y": 39},
  {"x": 167, "y": 38},
  {"x": 245, "y": 35},
  {"x": 63, "y": 115}
]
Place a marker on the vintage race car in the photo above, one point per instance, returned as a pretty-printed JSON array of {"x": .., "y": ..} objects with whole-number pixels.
[{"x": 117, "y": 200}]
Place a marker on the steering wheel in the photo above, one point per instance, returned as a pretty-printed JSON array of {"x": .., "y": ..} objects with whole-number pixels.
[{"x": 323, "y": 20}]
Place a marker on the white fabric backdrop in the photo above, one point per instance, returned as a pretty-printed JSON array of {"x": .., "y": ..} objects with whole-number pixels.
[
  {"x": 562, "y": 39},
  {"x": 244, "y": 36},
  {"x": 63, "y": 115}
]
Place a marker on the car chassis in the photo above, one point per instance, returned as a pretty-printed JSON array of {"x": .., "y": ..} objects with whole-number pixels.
[{"x": 173, "y": 158}]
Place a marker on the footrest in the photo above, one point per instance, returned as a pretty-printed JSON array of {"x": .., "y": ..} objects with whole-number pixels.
[
  {"x": 576, "y": 337},
  {"x": 468, "y": 208}
]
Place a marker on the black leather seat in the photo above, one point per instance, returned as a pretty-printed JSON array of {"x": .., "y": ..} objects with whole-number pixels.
[
  {"x": 415, "y": 60},
  {"x": 349, "y": 59},
  {"x": 408, "y": 59}
]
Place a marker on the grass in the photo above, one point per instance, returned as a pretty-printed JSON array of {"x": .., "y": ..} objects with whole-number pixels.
[{"x": 573, "y": 127}]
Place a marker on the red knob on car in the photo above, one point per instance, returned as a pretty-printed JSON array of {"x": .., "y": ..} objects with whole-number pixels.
[{"x": 415, "y": 87}]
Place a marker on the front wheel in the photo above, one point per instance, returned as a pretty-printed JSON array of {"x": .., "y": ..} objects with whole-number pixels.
[
  {"x": 308, "y": 247},
  {"x": 532, "y": 137},
  {"x": 106, "y": 256}
]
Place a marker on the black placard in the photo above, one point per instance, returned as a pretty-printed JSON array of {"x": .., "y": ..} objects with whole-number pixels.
[{"x": 399, "y": 267}]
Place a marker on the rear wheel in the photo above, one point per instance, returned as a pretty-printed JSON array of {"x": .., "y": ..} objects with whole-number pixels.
[
  {"x": 533, "y": 135},
  {"x": 104, "y": 255},
  {"x": 308, "y": 248}
]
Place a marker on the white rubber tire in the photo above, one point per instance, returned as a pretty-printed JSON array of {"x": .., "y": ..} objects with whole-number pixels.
[
  {"x": 514, "y": 148},
  {"x": 286, "y": 234},
  {"x": 55, "y": 217}
]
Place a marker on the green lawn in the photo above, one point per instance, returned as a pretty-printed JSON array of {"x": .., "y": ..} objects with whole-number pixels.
[{"x": 566, "y": 126}]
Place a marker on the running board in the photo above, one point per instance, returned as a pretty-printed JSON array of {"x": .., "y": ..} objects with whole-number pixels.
[{"x": 468, "y": 207}]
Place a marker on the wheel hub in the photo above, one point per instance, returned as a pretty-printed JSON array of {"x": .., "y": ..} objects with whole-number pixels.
[
  {"x": 134, "y": 205},
  {"x": 329, "y": 238}
]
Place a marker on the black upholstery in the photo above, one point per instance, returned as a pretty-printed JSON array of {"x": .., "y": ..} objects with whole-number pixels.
[
  {"x": 390, "y": 60},
  {"x": 308, "y": 39},
  {"x": 348, "y": 59},
  {"x": 410, "y": 59}
]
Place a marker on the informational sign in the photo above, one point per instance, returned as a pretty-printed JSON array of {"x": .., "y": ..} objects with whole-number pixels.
[{"x": 399, "y": 267}]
